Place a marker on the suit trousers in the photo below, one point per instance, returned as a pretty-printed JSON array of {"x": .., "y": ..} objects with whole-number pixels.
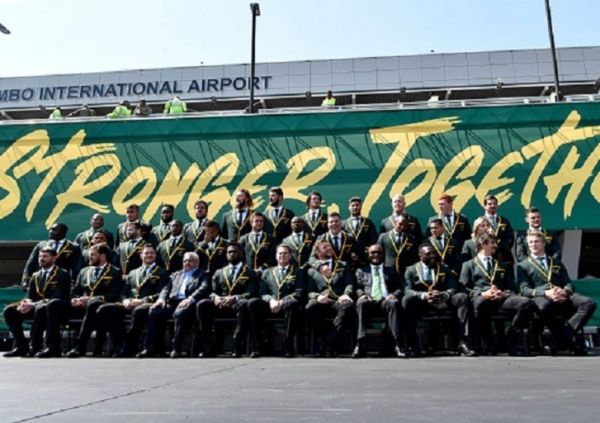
[
  {"x": 390, "y": 308},
  {"x": 343, "y": 315},
  {"x": 578, "y": 309},
  {"x": 89, "y": 323},
  {"x": 259, "y": 310},
  {"x": 207, "y": 312},
  {"x": 113, "y": 315}
]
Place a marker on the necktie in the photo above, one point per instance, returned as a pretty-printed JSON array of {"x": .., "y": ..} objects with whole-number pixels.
[
  {"x": 356, "y": 222},
  {"x": 44, "y": 277},
  {"x": 54, "y": 245},
  {"x": 543, "y": 263},
  {"x": 276, "y": 213},
  {"x": 448, "y": 220},
  {"x": 336, "y": 243},
  {"x": 441, "y": 242},
  {"x": 233, "y": 273},
  {"x": 281, "y": 273},
  {"x": 240, "y": 216},
  {"x": 376, "y": 291},
  {"x": 488, "y": 264},
  {"x": 96, "y": 273},
  {"x": 494, "y": 221},
  {"x": 257, "y": 239},
  {"x": 173, "y": 241},
  {"x": 314, "y": 215},
  {"x": 431, "y": 274},
  {"x": 298, "y": 239}
]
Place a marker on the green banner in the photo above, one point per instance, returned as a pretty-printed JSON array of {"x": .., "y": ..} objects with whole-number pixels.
[{"x": 531, "y": 155}]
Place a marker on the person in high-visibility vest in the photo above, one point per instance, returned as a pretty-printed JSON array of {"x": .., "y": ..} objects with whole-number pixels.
[
  {"x": 56, "y": 113},
  {"x": 120, "y": 112},
  {"x": 175, "y": 106},
  {"x": 328, "y": 101}
]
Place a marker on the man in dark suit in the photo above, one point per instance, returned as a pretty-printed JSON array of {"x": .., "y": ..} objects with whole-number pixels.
[
  {"x": 236, "y": 222},
  {"x": 399, "y": 208},
  {"x": 399, "y": 246},
  {"x": 456, "y": 225},
  {"x": 194, "y": 230},
  {"x": 314, "y": 216},
  {"x": 232, "y": 287},
  {"x": 97, "y": 284},
  {"x": 280, "y": 293},
  {"x": 258, "y": 246},
  {"x": 445, "y": 246},
  {"x": 379, "y": 292},
  {"x": 99, "y": 237},
  {"x": 330, "y": 292},
  {"x": 342, "y": 244},
  {"x": 361, "y": 228},
  {"x": 178, "y": 299},
  {"x": 430, "y": 285},
  {"x": 533, "y": 217},
  {"x": 84, "y": 239},
  {"x": 171, "y": 250},
  {"x": 491, "y": 286},
  {"x": 140, "y": 291},
  {"x": 545, "y": 280},
  {"x": 68, "y": 254},
  {"x": 128, "y": 252},
  {"x": 300, "y": 242},
  {"x": 212, "y": 248},
  {"x": 47, "y": 303},
  {"x": 278, "y": 219},
  {"x": 133, "y": 216},
  {"x": 502, "y": 229},
  {"x": 162, "y": 231}
]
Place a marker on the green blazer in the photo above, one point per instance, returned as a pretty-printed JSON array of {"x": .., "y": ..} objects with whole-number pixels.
[
  {"x": 399, "y": 255},
  {"x": 534, "y": 280},
  {"x": 107, "y": 286},
  {"x": 319, "y": 227},
  {"x": 553, "y": 248},
  {"x": 281, "y": 227},
  {"x": 290, "y": 287},
  {"x": 476, "y": 279},
  {"x": 244, "y": 286},
  {"x": 230, "y": 228},
  {"x": 57, "y": 286},
  {"x": 260, "y": 255},
  {"x": 341, "y": 282},
  {"x": 416, "y": 283},
  {"x": 414, "y": 227},
  {"x": 300, "y": 251},
  {"x": 145, "y": 287},
  {"x": 170, "y": 257}
]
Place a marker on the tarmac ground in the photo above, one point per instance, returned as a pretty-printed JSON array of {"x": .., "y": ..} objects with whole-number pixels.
[{"x": 448, "y": 389}]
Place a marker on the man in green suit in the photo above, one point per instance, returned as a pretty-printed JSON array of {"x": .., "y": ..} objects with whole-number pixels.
[
  {"x": 490, "y": 284},
  {"x": 431, "y": 286},
  {"x": 278, "y": 219},
  {"x": 170, "y": 251},
  {"x": 258, "y": 245},
  {"x": 162, "y": 231},
  {"x": 552, "y": 248},
  {"x": 280, "y": 294},
  {"x": 545, "y": 279},
  {"x": 330, "y": 295},
  {"x": 212, "y": 248},
  {"x": 399, "y": 246},
  {"x": 456, "y": 225},
  {"x": 236, "y": 222},
  {"x": 300, "y": 242},
  {"x": 194, "y": 230},
  {"x": 314, "y": 216},
  {"x": 399, "y": 208},
  {"x": 361, "y": 228}
]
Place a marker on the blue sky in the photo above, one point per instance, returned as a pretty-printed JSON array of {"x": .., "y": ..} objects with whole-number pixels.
[{"x": 66, "y": 36}]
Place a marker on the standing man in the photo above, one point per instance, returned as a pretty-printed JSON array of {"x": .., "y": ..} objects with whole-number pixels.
[
  {"x": 99, "y": 283},
  {"x": 456, "y": 225},
  {"x": 379, "y": 293},
  {"x": 194, "y": 231},
  {"x": 278, "y": 218},
  {"x": 399, "y": 246},
  {"x": 314, "y": 217},
  {"x": 444, "y": 246},
  {"x": 133, "y": 216},
  {"x": 533, "y": 217},
  {"x": 67, "y": 254},
  {"x": 129, "y": 251},
  {"x": 300, "y": 242},
  {"x": 430, "y": 285},
  {"x": 545, "y": 280},
  {"x": 175, "y": 107},
  {"x": 141, "y": 290},
  {"x": 163, "y": 230},
  {"x": 398, "y": 208},
  {"x": 172, "y": 249},
  {"x": 343, "y": 245},
  {"x": 362, "y": 229},
  {"x": 236, "y": 222},
  {"x": 502, "y": 230},
  {"x": 232, "y": 287},
  {"x": 142, "y": 109},
  {"x": 258, "y": 246},
  {"x": 212, "y": 250},
  {"x": 84, "y": 239},
  {"x": 178, "y": 300},
  {"x": 46, "y": 303},
  {"x": 330, "y": 291},
  {"x": 329, "y": 100},
  {"x": 280, "y": 294},
  {"x": 491, "y": 286}
]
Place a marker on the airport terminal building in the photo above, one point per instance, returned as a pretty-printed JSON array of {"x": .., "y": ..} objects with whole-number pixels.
[{"x": 469, "y": 124}]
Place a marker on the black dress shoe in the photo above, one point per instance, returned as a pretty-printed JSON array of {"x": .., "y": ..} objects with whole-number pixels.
[
  {"x": 235, "y": 354},
  {"x": 399, "y": 353},
  {"x": 146, "y": 354},
  {"x": 465, "y": 351},
  {"x": 48, "y": 353},
  {"x": 74, "y": 353},
  {"x": 207, "y": 354},
  {"x": 175, "y": 354},
  {"x": 289, "y": 354},
  {"x": 358, "y": 352},
  {"x": 254, "y": 354},
  {"x": 32, "y": 353},
  {"x": 16, "y": 352}
]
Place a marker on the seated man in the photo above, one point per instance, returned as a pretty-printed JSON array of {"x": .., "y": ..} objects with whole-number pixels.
[
  {"x": 232, "y": 287},
  {"x": 430, "y": 285},
  {"x": 47, "y": 303},
  {"x": 97, "y": 284},
  {"x": 330, "y": 291},
  {"x": 379, "y": 293},
  {"x": 170, "y": 251},
  {"x": 141, "y": 289},
  {"x": 281, "y": 289},
  {"x": 491, "y": 286},
  {"x": 545, "y": 279},
  {"x": 178, "y": 300}
]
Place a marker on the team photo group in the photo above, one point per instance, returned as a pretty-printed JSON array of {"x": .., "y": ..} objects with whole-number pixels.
[{"x": 179, "y": 288}]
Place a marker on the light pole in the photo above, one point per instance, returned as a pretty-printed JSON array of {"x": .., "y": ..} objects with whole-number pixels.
[
  {"x": 4, "y": 29},
  {"x": 553, "y": 50},
  {"x": 255, "y": 9}
]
